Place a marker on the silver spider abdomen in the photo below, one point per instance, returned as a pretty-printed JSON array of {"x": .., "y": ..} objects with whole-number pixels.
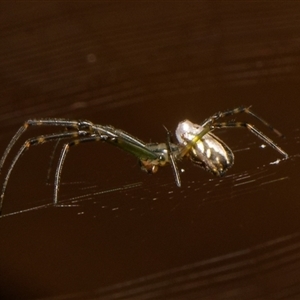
[{"x": 209, "y": 151}]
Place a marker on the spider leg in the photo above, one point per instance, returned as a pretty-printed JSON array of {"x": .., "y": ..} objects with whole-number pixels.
[
  {"x": 254, "y": 130},
  {"x": 250, "y": 112},
  {"x": 190, "y": 144},
  {"x": 240, "y": 109},
  {"x": 223, "y": 114},
  {"x": 51, "y": 161},
  {"x": 172, "y": 158},
  {"x": 64, "y": 152},
  {"x": 31, "y": 142},
  {"x": 117, "y": 138},
  {"x": 11, "y": 144},
  {"x": 77, "y": 125}
]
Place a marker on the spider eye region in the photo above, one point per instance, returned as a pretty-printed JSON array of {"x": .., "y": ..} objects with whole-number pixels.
[{"x": 149, "y": 166}]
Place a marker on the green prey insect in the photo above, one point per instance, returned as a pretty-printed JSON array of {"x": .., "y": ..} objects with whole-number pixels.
[{"x": 196, "y": 142}]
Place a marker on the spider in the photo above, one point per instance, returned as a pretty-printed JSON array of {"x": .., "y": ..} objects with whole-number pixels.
[{"x": 197, "y": 142}]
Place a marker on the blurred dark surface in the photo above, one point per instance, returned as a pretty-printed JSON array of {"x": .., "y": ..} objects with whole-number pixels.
[{"x": 138, "y": 66}]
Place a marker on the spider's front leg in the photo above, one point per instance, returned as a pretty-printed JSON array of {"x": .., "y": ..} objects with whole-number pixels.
[
  {"x": 64, "y": 152},
  {"x": 86, "y": 126},
  {"x": 31, "y": 142},
  {"x": 150, "y": 156}
]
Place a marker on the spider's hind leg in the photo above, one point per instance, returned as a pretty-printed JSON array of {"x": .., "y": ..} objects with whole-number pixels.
[
  {"x": 224, "y": 114},
  {"x": 252, "y": 129},
  {"x": 241, "y": 109}
]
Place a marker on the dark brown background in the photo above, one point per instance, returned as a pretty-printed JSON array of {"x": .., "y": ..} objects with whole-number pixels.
[{"x": 137, "y": 66}]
